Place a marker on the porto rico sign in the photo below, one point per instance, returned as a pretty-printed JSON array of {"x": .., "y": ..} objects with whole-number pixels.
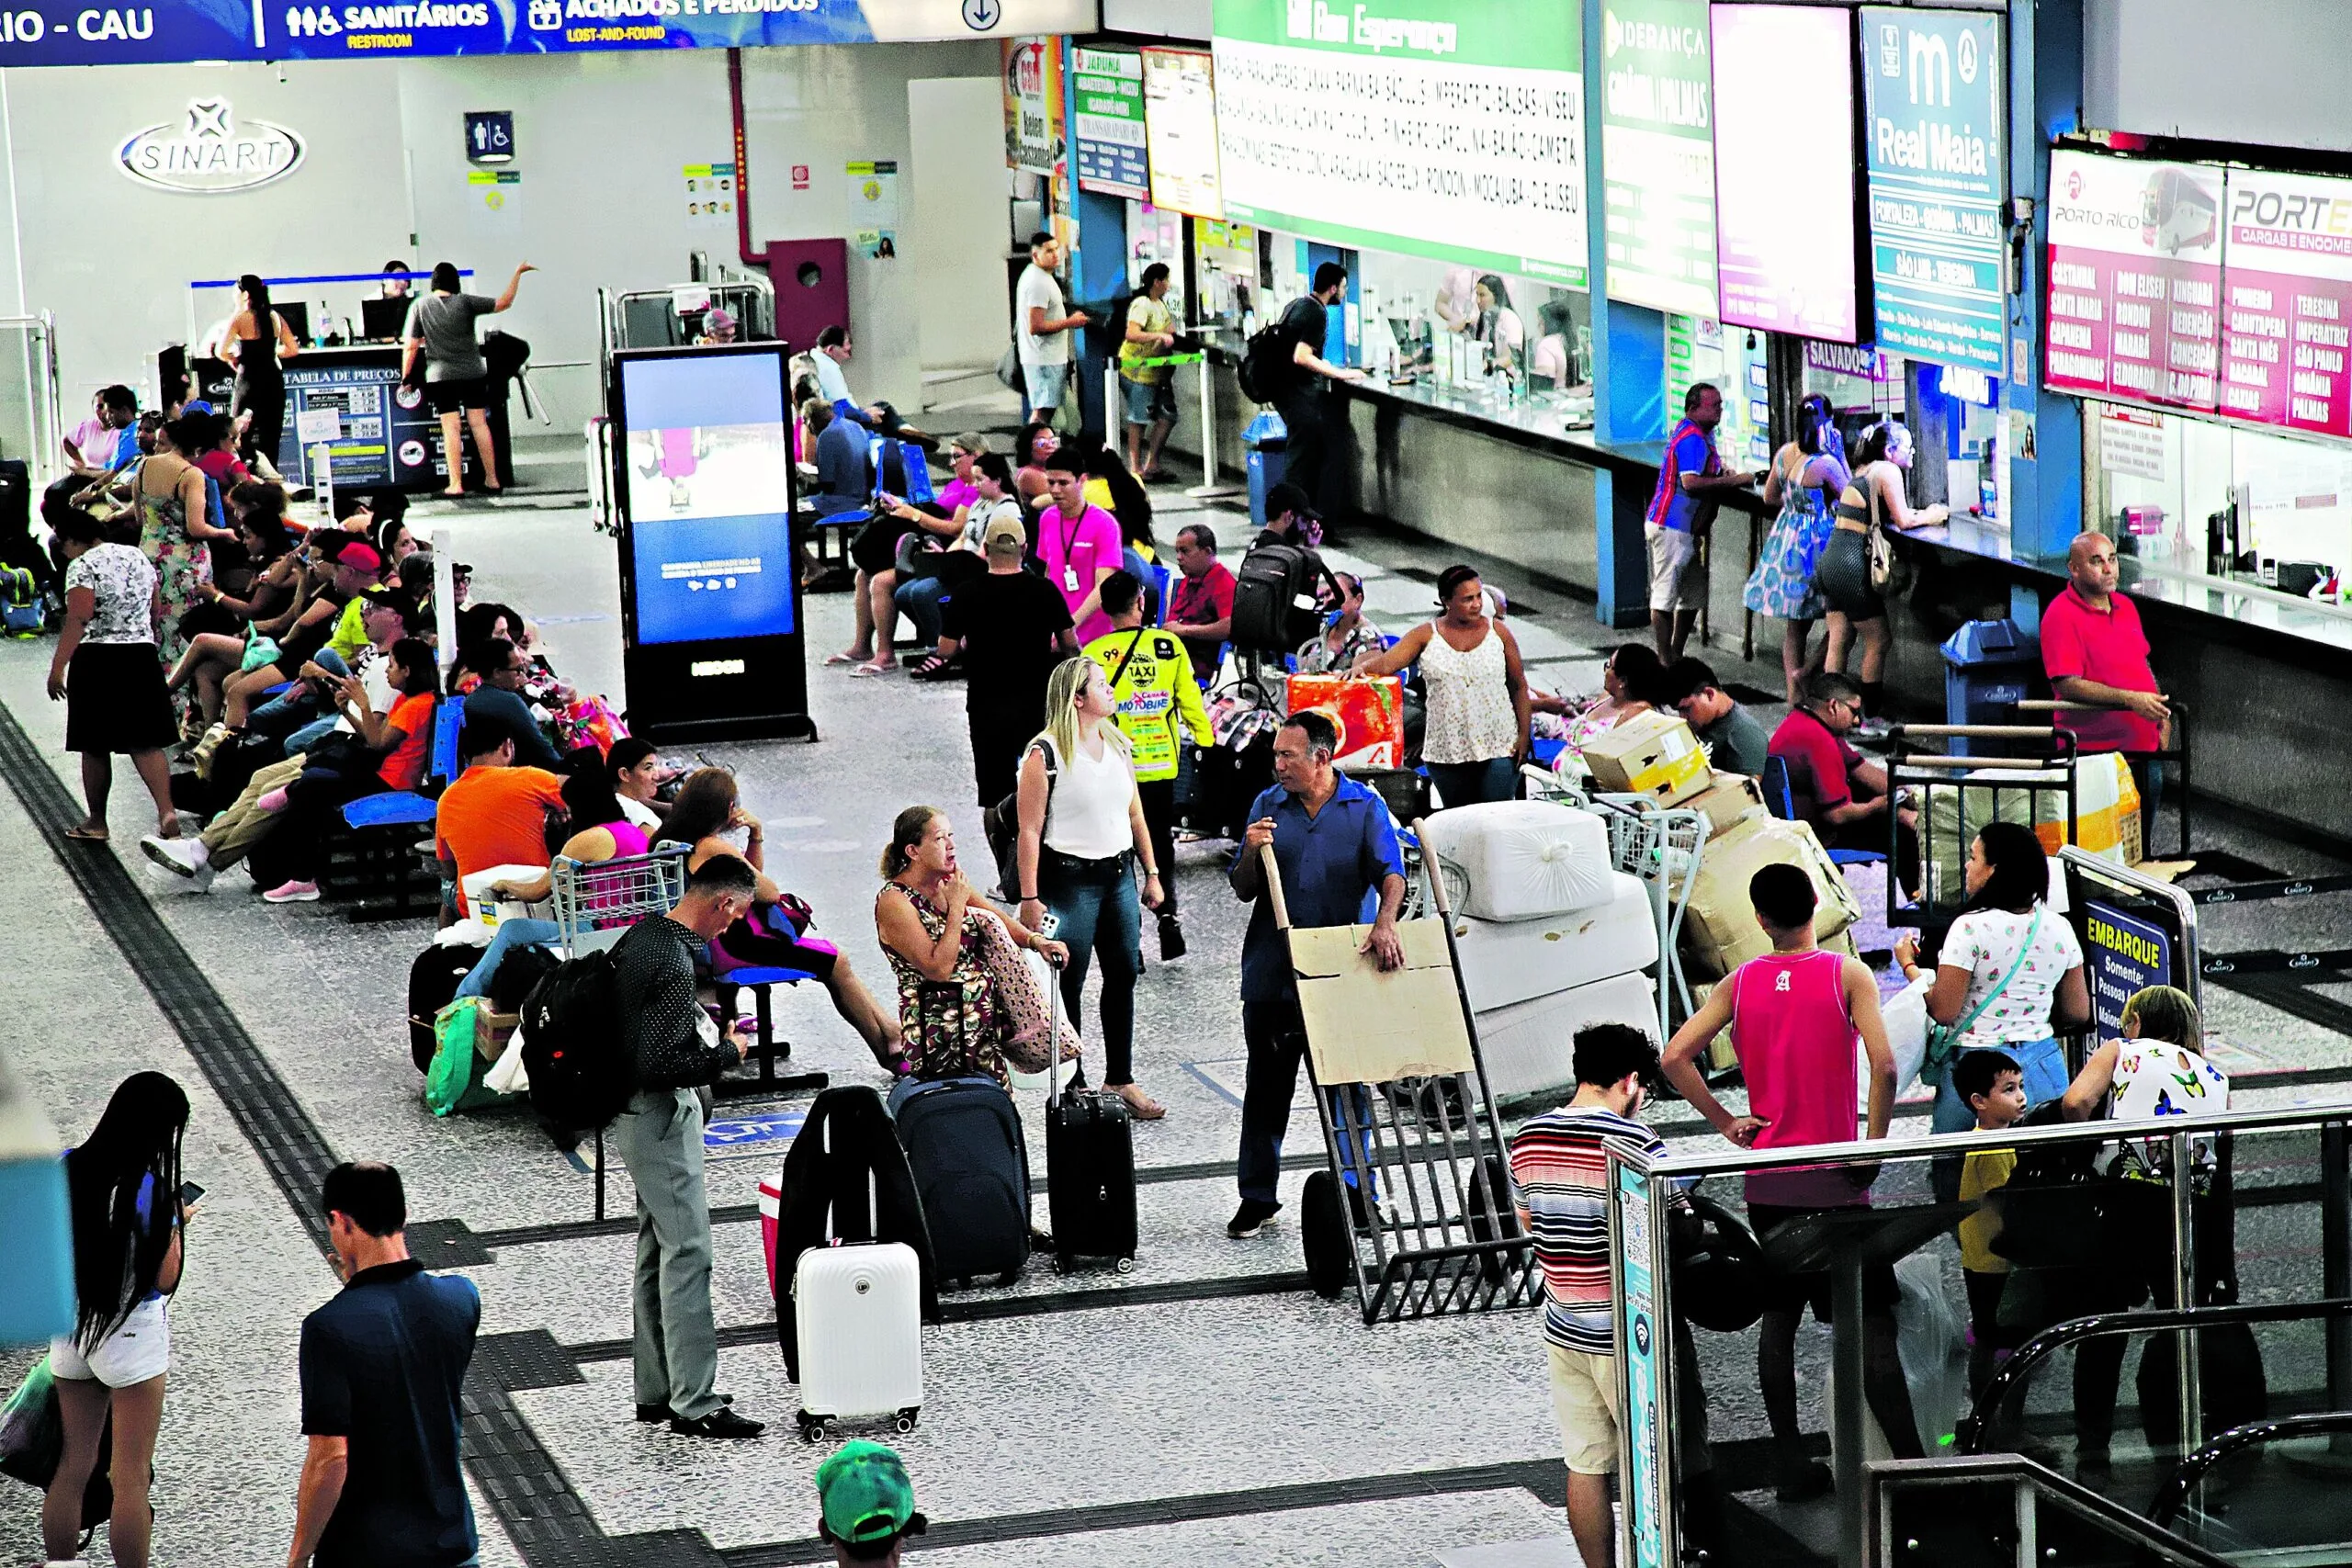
[{"x": 209, "y": 152}]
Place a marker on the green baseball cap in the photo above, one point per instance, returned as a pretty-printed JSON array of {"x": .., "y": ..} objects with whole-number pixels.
[{"x": 864, "y": 1492}]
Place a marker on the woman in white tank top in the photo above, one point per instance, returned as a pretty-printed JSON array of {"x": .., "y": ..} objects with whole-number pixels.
[
  {"x": 1082, "y": 816},
  {"x": 1477, "y": 733}
]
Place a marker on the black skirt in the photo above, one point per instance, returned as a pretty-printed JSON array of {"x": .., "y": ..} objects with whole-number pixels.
[{"x": 116, "y": 701}]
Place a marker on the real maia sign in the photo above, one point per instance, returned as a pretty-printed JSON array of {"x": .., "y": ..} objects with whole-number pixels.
[{"x": 211, "y": 152}]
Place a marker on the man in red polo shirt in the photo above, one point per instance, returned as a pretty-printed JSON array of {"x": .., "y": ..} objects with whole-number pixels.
[
  {"x": 2094, "y": 651},
  {"x": 1842, "y": 794}
]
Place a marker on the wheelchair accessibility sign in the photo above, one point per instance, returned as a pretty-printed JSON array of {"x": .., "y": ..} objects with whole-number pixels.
[{"x": 726, "y": 1136}]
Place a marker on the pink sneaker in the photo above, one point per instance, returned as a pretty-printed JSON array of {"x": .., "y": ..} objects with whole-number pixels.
[
  {"x": 273, "y": 800},
  {"x": 292, "y": 893}
]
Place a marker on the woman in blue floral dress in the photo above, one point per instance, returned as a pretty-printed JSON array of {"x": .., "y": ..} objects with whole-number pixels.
[{"x": 1806, "y": 474}]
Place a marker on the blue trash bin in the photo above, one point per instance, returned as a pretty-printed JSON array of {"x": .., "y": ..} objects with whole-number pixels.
[
  {"x": 1989, "y": 667},
  {"x": 1268, "y": 442}
]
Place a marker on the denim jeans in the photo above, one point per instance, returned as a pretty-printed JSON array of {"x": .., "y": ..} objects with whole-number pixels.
[
  {"x": 1473, "y": 783},
  {"x": 296, "y": 706},
  {"x": 1102, "y": 916},
  {"x": 919, "y": 602},
  {"x": 510, "y": 934}
]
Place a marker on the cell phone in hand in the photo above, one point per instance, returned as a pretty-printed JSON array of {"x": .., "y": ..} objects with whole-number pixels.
[{"x": 189, "y": 1193}]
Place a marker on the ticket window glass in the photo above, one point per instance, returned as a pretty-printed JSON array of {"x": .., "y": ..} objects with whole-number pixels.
[
  {"x": 1157, "y": 234},
  {"x": 1425, "y": 318},
  {"x": 1226, "y": 274},
  {"x": 1957, "y": 408},
  {"x": 2201, "y": 498},
  {"x": 1734, "y": 361}
]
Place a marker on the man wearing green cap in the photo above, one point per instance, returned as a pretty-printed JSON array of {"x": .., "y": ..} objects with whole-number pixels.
[{"x": 867, "y": 1502}]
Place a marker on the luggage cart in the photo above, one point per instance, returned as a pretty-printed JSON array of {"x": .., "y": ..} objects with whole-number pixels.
[
  {"x": 1956, "y": 795},
  {"x": 1399, "y": 1053},
  {"x": 1661, "y": 848}
]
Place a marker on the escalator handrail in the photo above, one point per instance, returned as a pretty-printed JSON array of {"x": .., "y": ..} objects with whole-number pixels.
[
  {"x": 2175, "y": 1494},
  {"x": 2062, "y": 1490},
  {"x": 2056, "y": 1338}
]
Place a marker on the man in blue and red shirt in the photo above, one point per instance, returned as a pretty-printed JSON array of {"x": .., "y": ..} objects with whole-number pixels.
[
  {"x": 2094, "y": 651},
  {"x": 1682, "y": 510}
]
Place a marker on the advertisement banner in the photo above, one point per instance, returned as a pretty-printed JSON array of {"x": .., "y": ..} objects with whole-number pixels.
[
  {"x": 1110, "y": 125},
  {"x": 2287, "y": 332},
  {"x": 1935, "y": 156},
  {"x": 1033, "y": 104},
  {"x": 186, "y": 30},
  {"x": 2134, "y": 291},
  {"x": 1179, "y": 115},
  {"x": 1449, "y": 128},
  {"x": 1784, "y": 265},
  {"x": 1657, "y": 154},
  {"x": 1644, "y": 1490}
]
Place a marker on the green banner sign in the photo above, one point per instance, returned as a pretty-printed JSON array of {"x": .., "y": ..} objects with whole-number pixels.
[
  {"x": 1657, "y": 154},
  {"x": 1452, "y": 129},
  {"x": 1109, "y": 126}
]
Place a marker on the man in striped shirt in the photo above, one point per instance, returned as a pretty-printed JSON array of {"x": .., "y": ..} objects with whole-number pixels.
[{"x": 1560, "y": 1164}]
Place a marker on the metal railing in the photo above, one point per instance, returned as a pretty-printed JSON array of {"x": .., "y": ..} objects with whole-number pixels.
[
  {"x": 1640, "y": 1191},
  {"x": 2173, "y": 1500},
  {"x": 2015, "y": 1509}
]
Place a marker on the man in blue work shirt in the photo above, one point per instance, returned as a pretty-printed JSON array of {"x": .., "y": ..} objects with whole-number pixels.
[
  {"x": 1681, "y": 514},
  {"x": 1336, "y": 846}
]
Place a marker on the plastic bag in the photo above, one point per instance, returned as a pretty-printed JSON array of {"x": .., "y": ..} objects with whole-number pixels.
[
  {"x": 507, "y": 1075},
  {"x": 1906, "y": 1014},
  {"x": 455, "y": 1080},
  {"x": 1931, "y": 1341},
  {"x": 32, "y": 1433}
]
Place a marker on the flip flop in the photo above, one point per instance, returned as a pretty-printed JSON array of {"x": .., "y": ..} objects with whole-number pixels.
[
  {"x": 872, "y": 668},
  {"x": 842, "y": 658},
  {"x": 88, "y": 835}
]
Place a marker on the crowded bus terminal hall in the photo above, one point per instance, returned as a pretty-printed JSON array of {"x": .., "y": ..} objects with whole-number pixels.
[{"x": 781, "y": 661}]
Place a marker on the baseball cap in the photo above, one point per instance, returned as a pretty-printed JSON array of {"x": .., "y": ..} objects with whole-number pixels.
[
  {"x": 864, "y": 1493},
  {"x": 1288, "y": 497},
  {"x": 1005, "y": 528},
  {"x": 718, "y": 318},
  {"x": 357, "y": 552}
]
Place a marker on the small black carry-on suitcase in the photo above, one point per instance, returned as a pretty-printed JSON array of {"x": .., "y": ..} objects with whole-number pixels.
[
  {"x": 433, "y": 981},
  {"x": 971, "y": 1166},
  {"x": 1089, "y": 1166}
]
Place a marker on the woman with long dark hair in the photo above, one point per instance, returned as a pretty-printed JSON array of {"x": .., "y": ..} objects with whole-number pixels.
[
  {"x": 1804, "y": 474},
  {"x": 123, "y": 1187},
  {"x": 443, "y": 352},
  {"x": 1872, "y": 497},
  {"x": 707, "y": 816},
  {"x": 2010, "y": 972},
  {"x": 258, "y": 339}
]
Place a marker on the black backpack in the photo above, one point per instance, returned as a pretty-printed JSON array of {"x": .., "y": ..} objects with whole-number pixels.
[
  {"x": 1275, "y": 607},
  {"x": 1266, "y": 366},
  {"x": 581, "y": 1075}
]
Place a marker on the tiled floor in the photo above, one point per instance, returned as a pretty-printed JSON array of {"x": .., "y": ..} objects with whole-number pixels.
[{"x": 1127, "y": 1425}]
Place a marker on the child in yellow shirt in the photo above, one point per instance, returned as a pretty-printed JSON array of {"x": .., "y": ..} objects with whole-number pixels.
[{"x": 1993, "y": 1086}]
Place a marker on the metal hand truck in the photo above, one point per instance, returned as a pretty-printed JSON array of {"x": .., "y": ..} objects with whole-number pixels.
[
  {"x": 1416, "y": 1202},
  {"x": 1956, "y": 795}
]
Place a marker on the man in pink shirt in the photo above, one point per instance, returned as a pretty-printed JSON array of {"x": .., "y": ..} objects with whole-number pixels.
[
  {"x": 2094, "y": 651},
  {"x": 1794, "y": 1014},
  {"x": 1078, "y": 545}
]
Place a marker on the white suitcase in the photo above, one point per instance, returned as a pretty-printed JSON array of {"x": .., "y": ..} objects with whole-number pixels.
[
  {"x": 1530, "y": 1047},
  {"x": 1520, "y": 860},
  {"x": 859, "y": 1310},
  {"x": 1513, "y": 961}
]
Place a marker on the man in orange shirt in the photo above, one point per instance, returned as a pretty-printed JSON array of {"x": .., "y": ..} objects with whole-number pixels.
[{"x": 496, "y": 813}]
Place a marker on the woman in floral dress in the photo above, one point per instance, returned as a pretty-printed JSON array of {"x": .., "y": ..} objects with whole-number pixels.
[
  {"x": 173, "y": 530},
  {"x": 1805, "y": 473}
]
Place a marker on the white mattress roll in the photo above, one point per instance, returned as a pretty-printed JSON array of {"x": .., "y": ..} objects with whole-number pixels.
[{"x": 1520, "y": 860}]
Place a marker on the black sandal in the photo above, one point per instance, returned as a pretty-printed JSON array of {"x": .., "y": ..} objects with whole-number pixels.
[{"x": 934, "y": 667}]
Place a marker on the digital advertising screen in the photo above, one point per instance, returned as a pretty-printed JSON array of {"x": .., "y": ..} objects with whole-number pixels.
[
  {"x": 1937, "y": 158},
  {"x": 1446, "y": 129},
  {"x": 706, "y": 465},
  {"x": 1784, "y": 249}
]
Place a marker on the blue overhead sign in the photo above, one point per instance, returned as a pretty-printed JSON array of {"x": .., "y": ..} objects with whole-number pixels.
[
  {"x": 1933, "y": 90},
  {"x": 62, "y": 34}
]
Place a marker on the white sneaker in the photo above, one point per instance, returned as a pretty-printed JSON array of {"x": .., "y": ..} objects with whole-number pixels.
[{"x": 182, "y": 856}]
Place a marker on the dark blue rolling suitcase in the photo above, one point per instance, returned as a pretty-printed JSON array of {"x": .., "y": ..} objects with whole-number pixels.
[{"x": 971, "y": 1166}]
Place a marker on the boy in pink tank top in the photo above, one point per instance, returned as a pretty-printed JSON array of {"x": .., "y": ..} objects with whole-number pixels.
[{"x": 1795, "y": 1015}]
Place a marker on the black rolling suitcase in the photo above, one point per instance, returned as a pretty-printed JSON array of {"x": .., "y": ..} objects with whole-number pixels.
[
  {"x": 1090, "y": 1167},
  {"x": 972, "y": 1168},
  {"x": 432, "y": 985}
]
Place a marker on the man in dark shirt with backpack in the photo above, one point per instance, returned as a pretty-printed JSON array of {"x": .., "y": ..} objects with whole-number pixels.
[
  {"x": 676, "y": 1049},
  {"x": 1297, "y": 385}
]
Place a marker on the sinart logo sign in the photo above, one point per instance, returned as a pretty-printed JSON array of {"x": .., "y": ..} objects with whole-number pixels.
[{"x": 209, "y": 153}]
